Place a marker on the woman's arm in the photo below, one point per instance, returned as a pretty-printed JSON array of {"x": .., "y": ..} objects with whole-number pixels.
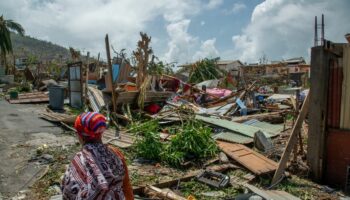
[{"x": 127, "y": 188}]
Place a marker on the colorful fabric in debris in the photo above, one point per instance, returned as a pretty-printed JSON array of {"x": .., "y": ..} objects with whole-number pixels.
[
  {"x": 90, "y": 125},
  {"x": 97, "y": 172},
  {"x": 218, "y": 92}
]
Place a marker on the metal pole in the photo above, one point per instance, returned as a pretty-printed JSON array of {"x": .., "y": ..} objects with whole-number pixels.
[
  {"x": 322, "y": 30},
  {"x": 315, "y": 37}
]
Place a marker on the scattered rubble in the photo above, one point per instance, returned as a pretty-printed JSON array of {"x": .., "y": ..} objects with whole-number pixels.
[{"x": 182, "y": 139}]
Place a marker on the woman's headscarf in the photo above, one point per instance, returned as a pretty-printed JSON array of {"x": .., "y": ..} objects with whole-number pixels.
[{"x": 90, "y": 126}]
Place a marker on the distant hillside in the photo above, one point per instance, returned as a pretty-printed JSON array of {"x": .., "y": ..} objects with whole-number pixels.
[{"x": 43, "y": 50}]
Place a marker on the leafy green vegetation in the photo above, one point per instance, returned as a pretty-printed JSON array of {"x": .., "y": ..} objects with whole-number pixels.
[
  {"x": 159, "y": 68},
  {"x": 192, "y": 141},
  {"x": 149, "y": 146}
]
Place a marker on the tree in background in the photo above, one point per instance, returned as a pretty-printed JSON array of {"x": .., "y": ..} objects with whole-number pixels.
[
  {"x": 7, "y": 25},
  {"x": 202, "y": 70}
]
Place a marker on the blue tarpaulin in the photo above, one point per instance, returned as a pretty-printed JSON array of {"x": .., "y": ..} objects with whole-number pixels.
[{"x": 115, "y": 69}]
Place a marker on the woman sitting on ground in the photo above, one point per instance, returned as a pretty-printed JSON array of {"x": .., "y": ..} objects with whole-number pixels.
[{"x": 98, "y": 171}]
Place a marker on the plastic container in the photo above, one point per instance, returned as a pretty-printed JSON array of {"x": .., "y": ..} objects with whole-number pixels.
[
  {"x": 13, "y": 95},
  {"x": 56, "y": 97}
]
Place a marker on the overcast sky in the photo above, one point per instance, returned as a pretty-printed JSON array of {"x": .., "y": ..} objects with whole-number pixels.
[{"x": 184, "y": 30}]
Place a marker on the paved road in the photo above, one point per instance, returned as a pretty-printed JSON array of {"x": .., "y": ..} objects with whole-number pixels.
[{"x": 21, "y": 132}]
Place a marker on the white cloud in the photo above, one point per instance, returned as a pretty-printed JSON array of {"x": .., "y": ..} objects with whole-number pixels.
[
  {"x": 202, "y": 23},
  {"x": 207, "y": 50},
  {"x": 181, "y": 42},
  {"x": 214, "y": 4},
  {"x": 284, "y": 28},
  {"x": 237, "y": 7},
  {"x": 84, "y": 23}
]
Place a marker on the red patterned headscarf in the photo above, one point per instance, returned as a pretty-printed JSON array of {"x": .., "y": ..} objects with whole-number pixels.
[{"x": 90, "y": 126}]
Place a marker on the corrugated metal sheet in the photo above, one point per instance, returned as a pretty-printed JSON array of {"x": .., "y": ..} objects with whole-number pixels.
[
  {"x": 273, "y": 129},
  {"x": 242, "y": 129},
  {"x": 334, "y": 94},
  {"x": 255, "y": 162},
  {"x": 233, "y": 137},
  {"x": 271, "y": 194}
]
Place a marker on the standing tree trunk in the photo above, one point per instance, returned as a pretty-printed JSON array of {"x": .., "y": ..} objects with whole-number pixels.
[{"x": 142, "y": 54}]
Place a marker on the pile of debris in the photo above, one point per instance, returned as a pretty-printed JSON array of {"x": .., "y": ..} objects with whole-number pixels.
[{"x": 165, "y": 121}]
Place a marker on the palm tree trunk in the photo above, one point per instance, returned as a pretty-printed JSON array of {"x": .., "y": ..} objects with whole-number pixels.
[{"x": 3, "y": 61}]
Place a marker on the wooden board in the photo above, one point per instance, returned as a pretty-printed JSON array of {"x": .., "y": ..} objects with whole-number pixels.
[
  {"x": 39, "y": 99},
  {"x": 131, "y": 97},
  {"x": 124, "y": 141},
  {"x": 292, "y": 142},
  {"x": 255, "y": 162}
]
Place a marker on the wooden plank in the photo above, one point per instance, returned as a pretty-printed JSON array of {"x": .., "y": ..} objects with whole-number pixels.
[
  {"x": 124, "y": 141},
  {"x": 32, "y": 100},
  {"x": 250, "y": 159},
  {"x": 292, "y": 141},
  {"x": 271, "y": 116},
  {"x": 110, "y": 73}
]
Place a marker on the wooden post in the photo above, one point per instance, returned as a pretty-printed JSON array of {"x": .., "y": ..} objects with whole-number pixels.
[
  {"x": 110, "y": 72},
  {"x": 291, "y": 142},
  {"x": 87, "y": 79},
  {"x": 318, "y": 111}
]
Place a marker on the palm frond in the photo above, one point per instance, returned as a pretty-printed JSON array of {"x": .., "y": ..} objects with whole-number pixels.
[{"x": 14, "y": 26}]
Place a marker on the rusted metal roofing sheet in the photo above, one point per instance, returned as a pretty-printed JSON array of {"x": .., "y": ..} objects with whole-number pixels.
[
  {"x": 250, "y": 159},
  {"x": 233, "y": 137},
  {"x": 334, "y": 94}
]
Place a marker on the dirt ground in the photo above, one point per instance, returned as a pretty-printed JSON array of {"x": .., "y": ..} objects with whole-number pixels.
[{"x": 22, "y": 134}]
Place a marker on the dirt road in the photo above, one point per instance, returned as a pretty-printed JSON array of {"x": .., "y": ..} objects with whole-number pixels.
[{"x": 22, "y": 132}]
